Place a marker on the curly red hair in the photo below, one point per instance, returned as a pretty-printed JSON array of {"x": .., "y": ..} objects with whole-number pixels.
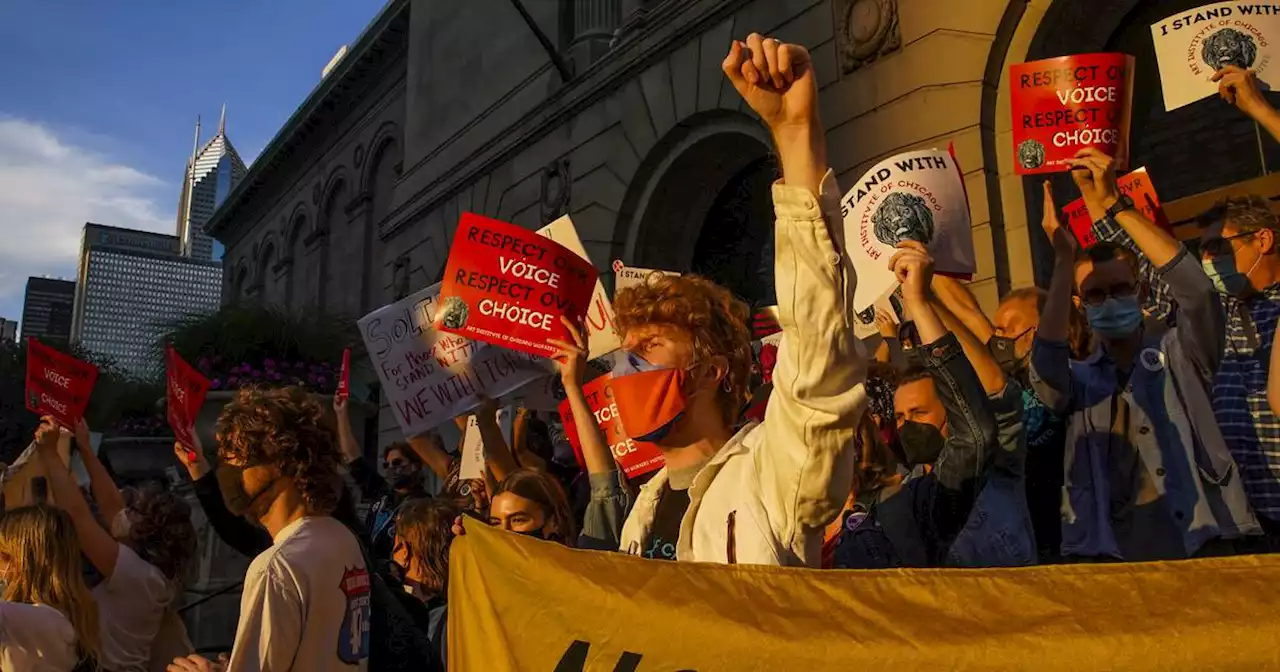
[
  {"x": 714, "y": 319},
  {"x": 287, "y": 429}
]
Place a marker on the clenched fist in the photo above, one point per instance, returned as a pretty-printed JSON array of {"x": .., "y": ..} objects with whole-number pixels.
[{"x": 775, "y": 79}]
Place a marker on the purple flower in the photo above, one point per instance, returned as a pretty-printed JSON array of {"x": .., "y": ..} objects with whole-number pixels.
[
  {"x": 276, "y": 376},
  {"x": 215, "y": 384},
  {"x": 233, "y": 381},
  {"x": 269, "y": 363},
  {"x": 203, "y": 364}
]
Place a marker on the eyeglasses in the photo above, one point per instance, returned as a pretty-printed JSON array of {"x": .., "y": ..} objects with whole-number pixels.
[
  {"x": 1219, "y": 247},
  {"x": 1099, "y": 295}
]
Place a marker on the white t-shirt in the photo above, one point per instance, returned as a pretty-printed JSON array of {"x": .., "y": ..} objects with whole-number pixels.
[
  {"x": 35, "y": 638},
  {"x": 306, "y": 603},
  {"x": 131, "y": 605}
]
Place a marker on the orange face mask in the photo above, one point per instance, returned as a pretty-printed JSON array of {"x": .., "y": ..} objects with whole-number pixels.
[{"x": 650, "y": 399}]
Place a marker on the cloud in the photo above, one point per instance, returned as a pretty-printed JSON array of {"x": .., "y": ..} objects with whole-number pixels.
[{"x": 50, "y": 187}]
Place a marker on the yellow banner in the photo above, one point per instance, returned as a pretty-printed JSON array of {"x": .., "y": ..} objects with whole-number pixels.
[{"x": 521, "y": 604}]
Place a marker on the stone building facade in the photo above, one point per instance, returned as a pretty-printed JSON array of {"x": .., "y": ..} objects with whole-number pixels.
[{"x": 442, "y": 108}]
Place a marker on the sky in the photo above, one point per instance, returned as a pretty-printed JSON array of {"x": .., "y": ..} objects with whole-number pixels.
[{"x": 98, "y": 103}]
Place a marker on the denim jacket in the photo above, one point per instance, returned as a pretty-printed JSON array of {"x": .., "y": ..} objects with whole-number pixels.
[
  {"x": 998, "y": 532},
  {"x": 1171, "y": 424},
  {"x": 915, "y": 524}
]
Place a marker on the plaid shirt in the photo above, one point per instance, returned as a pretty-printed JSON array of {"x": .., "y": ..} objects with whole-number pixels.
[
  {"x": 1159, "y": 304},
  {"x": 1251, "y": 429}
]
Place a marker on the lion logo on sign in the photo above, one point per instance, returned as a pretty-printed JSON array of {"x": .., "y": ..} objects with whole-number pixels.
[
  {"x": 901, "y": 217},
  {"x": 1229, "y": 47},
  {"x": 1030, "y": 154},
  {"x": 454, "y": 312}
]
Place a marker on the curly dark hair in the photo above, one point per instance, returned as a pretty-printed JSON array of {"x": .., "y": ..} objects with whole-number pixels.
[
  {"x": 714, "y": 319},
  {"x": 426, "y": 527},
  {"x": 161, "y": 532},
  {"x": 287, "y": 429}
]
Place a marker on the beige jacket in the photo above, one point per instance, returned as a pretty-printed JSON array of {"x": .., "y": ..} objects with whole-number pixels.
[{"x": 766, "y": 497}]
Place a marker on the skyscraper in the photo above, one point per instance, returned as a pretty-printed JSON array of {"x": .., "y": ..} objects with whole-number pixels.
[
  {"x": 213, "y": 171},
  {"x": 46, "y": 309},
  {"x": 132, "y": 284},
  {"x": 8, "y": 330}
]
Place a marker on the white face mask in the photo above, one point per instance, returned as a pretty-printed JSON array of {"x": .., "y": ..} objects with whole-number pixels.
[{"x": 121, "y": 525}]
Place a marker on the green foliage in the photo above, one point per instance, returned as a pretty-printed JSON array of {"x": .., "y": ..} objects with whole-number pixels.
[{"x": 252, "y": 332}]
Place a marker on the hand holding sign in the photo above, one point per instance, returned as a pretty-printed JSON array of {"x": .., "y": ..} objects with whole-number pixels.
[
  {"x": 186, "y": 392},
  {"x": 58, "y": 385},
  {"x": 508, "y": 286},
  {"x": 572, "y": 358},
  {"x": 1195, "y": 47},
  {"x": 344, "y": 377},
  {"x": 1137, "y": 186},
  {"x": 1095, "y": 174}
]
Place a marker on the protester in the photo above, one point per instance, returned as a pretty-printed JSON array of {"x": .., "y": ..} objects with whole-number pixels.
[
  {"x": 532, "y": 503},
  {"x": 423, "y": 538},
  {"x": 141, "y": 558},
  {"x": 1148, "y": 474},
  {"x": 306, "y": 600},
  {"x": 765, "y": 494},
  {"x": 404, "y": 481},
  {"x": 877, "y": 470},
  {"x": 1240, "y": 255},
  {"x": 48, "y": 619},
  {"x": 947, "y": 432}
]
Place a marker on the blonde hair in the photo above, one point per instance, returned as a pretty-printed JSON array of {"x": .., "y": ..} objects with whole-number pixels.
[{"x": 45, "y": 568}]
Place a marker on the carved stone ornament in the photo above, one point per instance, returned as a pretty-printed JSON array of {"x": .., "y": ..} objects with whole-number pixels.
[
  {"x": 315, "y": 194},
  {"x": 358, "y": 159},
  {"x": 868, "y": 29},
  {"x": 557, "y": 182}
]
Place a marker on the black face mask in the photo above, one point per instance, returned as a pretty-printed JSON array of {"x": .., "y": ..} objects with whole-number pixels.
[
  {"x": 231, "y": 482},
  {"x": 405, "y": 478},
  {"x": 1005, "y": 351},
  {"x": 921, "y": 443}
]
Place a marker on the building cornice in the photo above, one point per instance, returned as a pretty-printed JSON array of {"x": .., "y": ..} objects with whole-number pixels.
[
  {"x": 676, "y": 23},
  {"x": 317, "y": 107}
]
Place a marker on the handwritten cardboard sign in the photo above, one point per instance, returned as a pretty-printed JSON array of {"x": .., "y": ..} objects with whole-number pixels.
[
  {"x": 186, "y": 390},
  {"x": 635, "y": 458},
  {"x": 344, "y": 377},
  {"x": 58, "y": 384},
  {"x": 912, "y": 196},
  {"x": 509, "y": 286},
  {"x": 1136, "y": 185},
  {"x": 630, "y": 276},
  {"x": 429, "y": 376},
  {"x": 602, "y": 333},
  {"x": 1192, "y": 45},
  {"x": 1066, "y": 104}
]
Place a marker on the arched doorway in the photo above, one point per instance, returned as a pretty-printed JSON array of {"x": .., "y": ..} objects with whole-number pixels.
[
  {"x": 701, "y": 202},
  {"x": 1194, "y": 154}
]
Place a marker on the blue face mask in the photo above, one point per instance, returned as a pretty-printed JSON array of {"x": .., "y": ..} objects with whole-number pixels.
[
  {"x": 1116, "y": 317},
  {"x": 1224, "y": 276}
]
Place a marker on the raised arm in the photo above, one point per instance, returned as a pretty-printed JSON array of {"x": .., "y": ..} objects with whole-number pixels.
[
  {"x": 497, "y": 453},
  {"x": 963, "y": 305},
  {"x": 806, "y": 464},
  {"x": 1051, "y": 352},
  {"x": 1201, "y": 322},
  {"x": 363, "y": 470},
  {"x": 989, "y": 372},
  {"x": 430, "y": 447},
  {"x": 235, "y": 531},
  {"x": 105, "y": 493},
  {"x": 1240, "y": 88},
  {"x": 96, "y": 542}
]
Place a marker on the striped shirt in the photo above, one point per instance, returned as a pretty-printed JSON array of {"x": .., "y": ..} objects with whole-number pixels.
[{"x": 1251, "y": 429}]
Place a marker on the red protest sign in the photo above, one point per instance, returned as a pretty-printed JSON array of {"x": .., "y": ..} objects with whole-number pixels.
[
  {"x": 509, "y": 286},
  {"x": 185, "y": 395},
  {"x": 636, "y": 458},
  {"x": 344, "y": 377},
  {"x": 1063, "y": 105},
  {"x": 58, "y": 384},
  {"x": 1136, "y": 185}
]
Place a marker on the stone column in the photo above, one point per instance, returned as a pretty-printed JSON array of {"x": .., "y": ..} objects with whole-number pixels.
[{"x": 594, "y": 22}]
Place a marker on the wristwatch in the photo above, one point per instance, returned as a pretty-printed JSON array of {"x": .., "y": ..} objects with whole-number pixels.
[
  {"x": 1124, "y": 203},
  {"x": 1107, "y": 228}
]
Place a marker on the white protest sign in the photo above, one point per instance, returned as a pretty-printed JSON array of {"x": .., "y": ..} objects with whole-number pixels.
[
  {"x": 912, "y": 196},
  {"x": 602, "y": 335},
  {"x": 864, "y": 324},
  {"x": 629, "y": 276},
  {"x": 1192, "y": 45},
  {"x": 473, "y": 456},
  {"x": 77, "y": 459},
  {"x": 429, "y": 376}
]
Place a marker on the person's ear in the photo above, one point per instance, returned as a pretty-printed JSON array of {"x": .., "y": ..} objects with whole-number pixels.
[
  {"x": 717, "y": 372},
  {"x": 1267, "y": 240}
]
